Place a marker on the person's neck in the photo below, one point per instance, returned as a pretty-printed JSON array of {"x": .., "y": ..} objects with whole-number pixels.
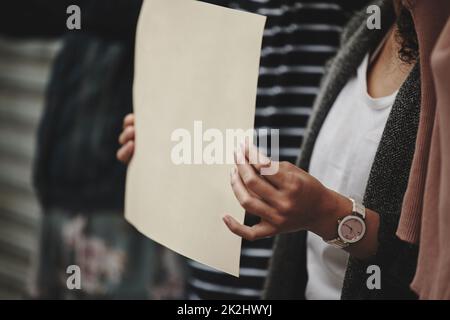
[{"x": 388, "y": 71}]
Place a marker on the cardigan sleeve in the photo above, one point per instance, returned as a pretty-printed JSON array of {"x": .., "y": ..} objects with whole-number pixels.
[{"x": 384, "y": 194}]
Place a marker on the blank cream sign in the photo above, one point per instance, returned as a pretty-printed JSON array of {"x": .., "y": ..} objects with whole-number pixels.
[{"x": 195, "y": 63}]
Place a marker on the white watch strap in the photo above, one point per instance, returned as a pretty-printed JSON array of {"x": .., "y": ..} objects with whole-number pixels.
[{"x": 358, "y": 208}]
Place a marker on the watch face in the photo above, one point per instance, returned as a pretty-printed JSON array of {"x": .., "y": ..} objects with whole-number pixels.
[{"x": 351, "y": 229}]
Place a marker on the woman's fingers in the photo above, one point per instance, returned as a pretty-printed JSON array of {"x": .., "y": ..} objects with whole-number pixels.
[
  {"x": 250, "y": 203},
  {"x": 253, "y": 181},
  {"x": 125, "y": 153},
  {"x": 127, "y": 134},
  {"x": 262, "y": 164},
  {"x": 258, "y": 231},
  {"x": 128, "y": 120},
  {"x": 126, "y": 139},
  {"x": 254, "y": 156}
]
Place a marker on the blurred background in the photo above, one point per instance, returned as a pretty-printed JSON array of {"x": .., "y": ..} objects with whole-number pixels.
[
  {"x": 63, "y": 97},
  {"x": 24, "y": 73}
]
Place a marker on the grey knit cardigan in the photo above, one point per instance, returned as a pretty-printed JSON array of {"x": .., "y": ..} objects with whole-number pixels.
[{"x": 386, "y": 186}]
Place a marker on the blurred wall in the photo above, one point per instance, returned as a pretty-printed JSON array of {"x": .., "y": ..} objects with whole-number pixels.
[{"x": 24, "y": 71}]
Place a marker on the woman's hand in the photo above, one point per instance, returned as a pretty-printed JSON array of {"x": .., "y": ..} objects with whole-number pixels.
[
  {"x": 286, "y": 201},
  {"x": 126, "y": 139}
]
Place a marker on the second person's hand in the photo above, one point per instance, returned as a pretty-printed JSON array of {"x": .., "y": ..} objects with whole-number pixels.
[{"x": 126, "y": 140}]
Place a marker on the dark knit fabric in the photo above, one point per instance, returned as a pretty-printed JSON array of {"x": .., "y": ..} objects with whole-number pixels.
[
  {"x": 88, "y": 95},
  {"x": 386, "y": 186}
]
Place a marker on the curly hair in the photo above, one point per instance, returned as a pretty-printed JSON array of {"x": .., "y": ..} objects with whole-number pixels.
[{"x": 406, "y": 37}]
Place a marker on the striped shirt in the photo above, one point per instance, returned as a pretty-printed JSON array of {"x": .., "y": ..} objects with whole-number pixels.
[{"x": 299, "y": 37}]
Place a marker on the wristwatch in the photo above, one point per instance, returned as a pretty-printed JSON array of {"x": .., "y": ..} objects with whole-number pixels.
[{"x": 351, "y": 228}]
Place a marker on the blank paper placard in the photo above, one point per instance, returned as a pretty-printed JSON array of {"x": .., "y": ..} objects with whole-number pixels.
[{"x": 195, "y": 63}]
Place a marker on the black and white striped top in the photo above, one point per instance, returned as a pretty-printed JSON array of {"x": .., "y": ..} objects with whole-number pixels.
[{"x": 300, "y": 36}]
